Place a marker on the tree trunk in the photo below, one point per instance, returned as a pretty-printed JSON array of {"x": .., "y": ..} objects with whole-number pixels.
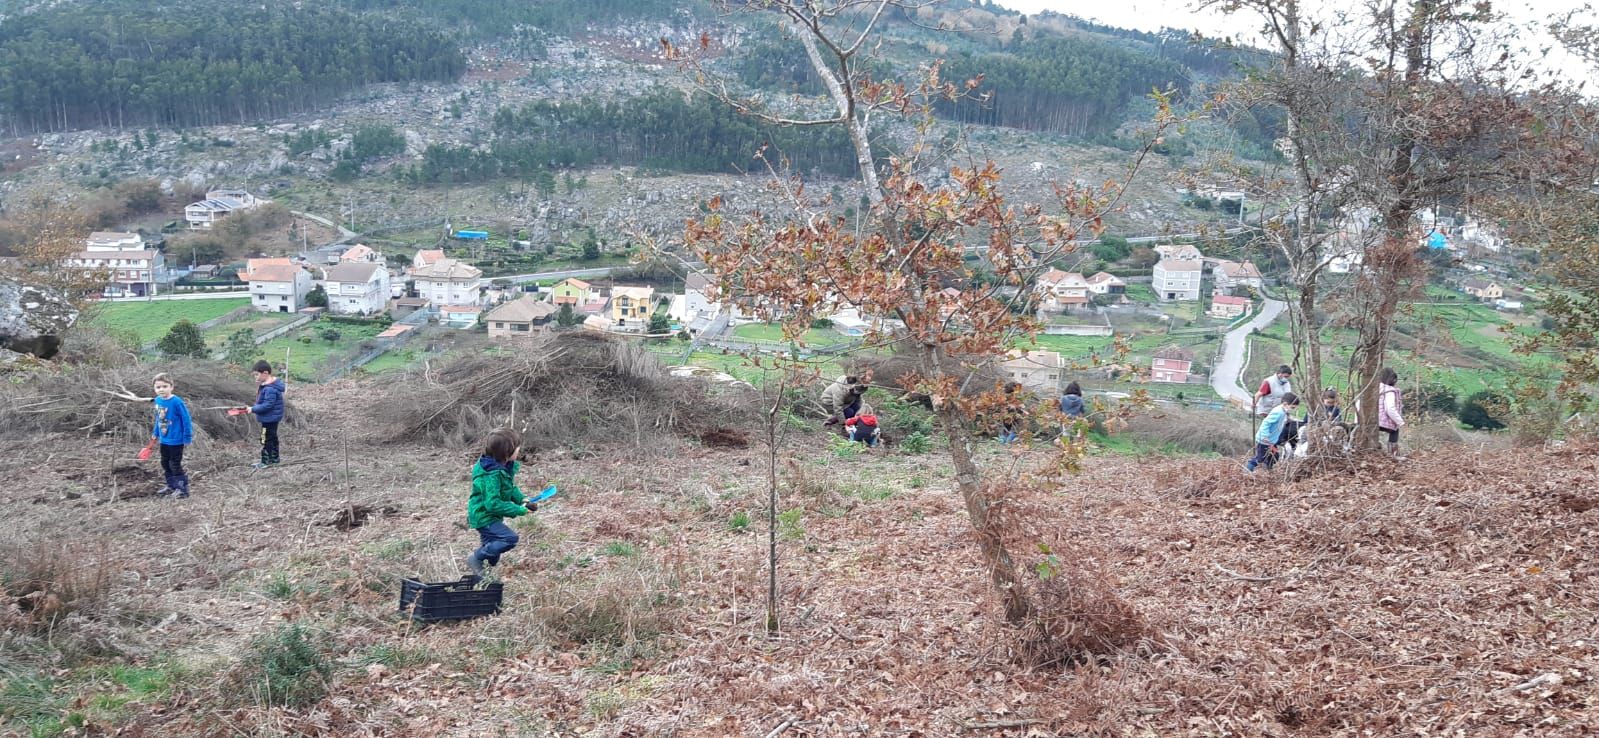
[
  {"x": 1310, "y": 339},
  {"x": 969, "y": 481},
  {"x": 1394, "y": 262}
]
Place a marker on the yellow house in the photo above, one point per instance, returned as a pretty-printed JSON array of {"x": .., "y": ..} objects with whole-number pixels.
[
  {"x": 1483, "y": 289},
  {"x": 632, "y": 304},
  {"x": 571, "y": 291}
]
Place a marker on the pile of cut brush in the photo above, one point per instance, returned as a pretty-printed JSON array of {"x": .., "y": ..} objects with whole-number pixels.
[
  {"x": 560, "y": 389},
  {"x": 115, "y": 402}
]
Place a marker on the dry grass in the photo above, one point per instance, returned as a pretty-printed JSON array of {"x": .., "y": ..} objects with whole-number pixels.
[
  {"x": 560, "y": 389},
  {"x": 43, "y": 581},
  {"x": 104, "y": 402}
]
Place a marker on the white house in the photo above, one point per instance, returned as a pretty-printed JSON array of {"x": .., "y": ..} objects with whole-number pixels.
[
  {"x": 696, "y": 300},
  {"x": 1105, "y": 283},
  {"x": 130, "y": 268},
  {"x": 449, "y": 282},
  {"x": 1231, "y": 275},
  {"x": 362, "y": 253},
  {"x": 424, "y": 257},
  {"x": 1039, "y": 371},
  {"x": 357, "y": 288},
  {"x": 217, "y": 205},
  {"x": 276, "y": 285},
  {"x": 1059, "y": 291},
  {"x": 1179, "y": 251},
  {"x": 1177, "y": 279}
]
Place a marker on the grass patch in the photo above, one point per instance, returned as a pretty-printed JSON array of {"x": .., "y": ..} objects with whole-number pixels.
[
  {"x": 308, "y": 359},
  {"x": 620, "y": 549},
  {"x": 151, "y": 319},
  {"x": 774, "y": 334}
]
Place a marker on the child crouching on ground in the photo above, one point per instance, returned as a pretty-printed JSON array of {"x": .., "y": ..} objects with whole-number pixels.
[
  {"x": 1271, "y": 431},
  {"x": 173, "y": 429},
  {"x": 863, "y": 428},
  {"x": 495, "y": 497}
]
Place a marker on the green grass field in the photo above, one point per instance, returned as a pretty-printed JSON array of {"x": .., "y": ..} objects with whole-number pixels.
[
  {"x": 151, "y": 319},
  {"x": 306, "y": 358},
  {"x": 774, "y": 334}
]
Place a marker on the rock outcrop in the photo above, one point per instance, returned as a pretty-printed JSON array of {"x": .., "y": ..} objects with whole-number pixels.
[{"x": 33, "y": 319}]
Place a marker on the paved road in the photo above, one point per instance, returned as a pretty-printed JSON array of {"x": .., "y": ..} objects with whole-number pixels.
[
  {"x": 1225, "y": 377},
  {"x": 579, "y": 273}
]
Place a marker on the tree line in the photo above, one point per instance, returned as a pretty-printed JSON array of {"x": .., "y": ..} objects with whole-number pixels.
[
  {"x": 1065, "y": 85},
  {"x": 563, "y": 17},
  {"x": 119, "y": 63},
  {"x": 663, "y": 129}
]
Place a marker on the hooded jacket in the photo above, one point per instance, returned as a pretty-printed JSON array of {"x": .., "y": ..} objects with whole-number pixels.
[
  {"x": 841, "y": 394},
  {"x": 495, "y": 495},
  {"x": 1071, "y": 406},
  {"x": 268, "y": 407},
  {"x": 173, "y": 426}
]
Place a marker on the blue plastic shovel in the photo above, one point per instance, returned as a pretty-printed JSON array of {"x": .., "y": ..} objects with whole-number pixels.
[{"x": 545, "y": 495}]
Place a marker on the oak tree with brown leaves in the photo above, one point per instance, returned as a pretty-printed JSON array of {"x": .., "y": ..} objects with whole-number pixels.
[{"x": 905, "y": 266}]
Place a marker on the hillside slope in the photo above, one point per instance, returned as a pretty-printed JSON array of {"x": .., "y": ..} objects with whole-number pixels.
[{"x": 1372, "y": 600}]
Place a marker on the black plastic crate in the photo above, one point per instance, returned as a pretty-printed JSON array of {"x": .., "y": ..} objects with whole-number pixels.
[{"x": 457, "y": 600}]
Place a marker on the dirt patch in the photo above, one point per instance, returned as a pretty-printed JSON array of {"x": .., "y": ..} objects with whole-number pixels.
[
  {"x": 350, "y": 517},
  {"x": 725, "y": 438}
]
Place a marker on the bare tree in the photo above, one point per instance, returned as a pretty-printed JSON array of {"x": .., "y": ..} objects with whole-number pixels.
[{"x": 1397, "y": 105}]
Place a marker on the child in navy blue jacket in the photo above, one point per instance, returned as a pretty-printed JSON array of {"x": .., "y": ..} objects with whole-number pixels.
[
  {"x": 173, "y": 429},
  {"x": 268, "y": 409}
]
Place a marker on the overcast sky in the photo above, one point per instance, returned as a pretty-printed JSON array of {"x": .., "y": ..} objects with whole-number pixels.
[{"x": 1153, "y": 15}]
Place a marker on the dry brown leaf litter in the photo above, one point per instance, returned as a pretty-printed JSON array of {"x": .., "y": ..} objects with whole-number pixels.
[{"x": 1417, "y": 599}]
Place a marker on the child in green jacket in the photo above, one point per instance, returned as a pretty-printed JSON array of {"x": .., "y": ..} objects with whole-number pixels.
[{"x": 495, "y": 497}]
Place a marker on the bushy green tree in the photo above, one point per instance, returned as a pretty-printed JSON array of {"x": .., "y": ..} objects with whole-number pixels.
[
  {"x": 317, "y": 298},
  {"x": 183, "y": 339},
  {"x": 240, "y": 348},
  {"x": 660, "y": 323},
  {"x": 566, "y": 317}
]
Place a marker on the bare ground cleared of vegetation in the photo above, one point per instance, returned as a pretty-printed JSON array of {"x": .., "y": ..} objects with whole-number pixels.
[{"x": 1451, "y": 595}]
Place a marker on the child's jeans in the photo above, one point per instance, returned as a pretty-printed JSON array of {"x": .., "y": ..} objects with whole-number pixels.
[
  {"x": 497, "y": 538},
  {"x": 1264, "y": 455},
  {"x": 269, "y": 443},
  {"x": 172, "y": 468}
]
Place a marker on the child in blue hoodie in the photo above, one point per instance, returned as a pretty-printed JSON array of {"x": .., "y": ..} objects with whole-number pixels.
[
  {"x": 495, "y": 497},
  {"x": 268, "y": 409},
  {"x": 173, "y": 429},
  {"x": 1271, "y": 432}
]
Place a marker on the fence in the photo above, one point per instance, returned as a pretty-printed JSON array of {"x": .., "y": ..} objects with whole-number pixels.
[
  {"x": 1079, "y": 330},
  {"x": 283, "y": 329}
]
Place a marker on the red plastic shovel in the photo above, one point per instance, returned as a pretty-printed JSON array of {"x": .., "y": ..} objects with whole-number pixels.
[
  {"x": 237, "y": 411},
  {"x": 144, "y": 453}
]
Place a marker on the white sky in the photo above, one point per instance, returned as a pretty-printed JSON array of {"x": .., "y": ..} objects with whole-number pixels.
[{"x": 1153, "y": 15}]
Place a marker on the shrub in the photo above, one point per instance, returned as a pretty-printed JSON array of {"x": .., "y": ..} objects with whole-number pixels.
[
  {"x": 916, "y": 443},
  {"x": 183, "y": 340},
  {"x": 288, "y": 667},
  {"x": 1483, "y": 410},
  {"x": 331, "y": 335},
  {"x": 317, "y": 298},
  {"x": 739, "y": 522}
]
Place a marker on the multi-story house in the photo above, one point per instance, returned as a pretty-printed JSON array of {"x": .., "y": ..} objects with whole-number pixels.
[
  {"x": 357, "y": 288},
  {"x": 449, "y": 282},
  {"x": 1060, "y": 291},
  {"x": 130, "y": 268},
  {"x": 631, "y": 307},
  {"x": 1177, "y": 279},
  {"x": 276, "y": 285},
  {"x": 217, "y": 205}
]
